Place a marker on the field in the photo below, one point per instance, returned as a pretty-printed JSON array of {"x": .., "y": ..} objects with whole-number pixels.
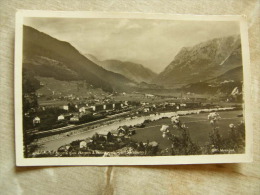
[{"x": 198, "y": 126}]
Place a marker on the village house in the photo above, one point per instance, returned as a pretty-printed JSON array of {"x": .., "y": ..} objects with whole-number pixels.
[
  {"x": 146, "y": 109},
  {"x": 61, "y": 117},
  {"x": 83, "y": 144},
  {"x": 122, "y": 130},
  {"x": 36, "y": 120},
  {"x": 182, "y": 105},
  {"x": 82, "y": 109},
  {"x": 65, "y": 107},
  {"x": 93, "y": 108}
]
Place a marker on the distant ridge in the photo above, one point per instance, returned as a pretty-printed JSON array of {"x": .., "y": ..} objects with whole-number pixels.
[
  {"x": 46, "y": 56},
  {"x": 132, "y": 71}
]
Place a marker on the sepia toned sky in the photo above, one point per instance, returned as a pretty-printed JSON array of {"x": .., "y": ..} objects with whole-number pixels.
[{"x": 152, "y": 43}]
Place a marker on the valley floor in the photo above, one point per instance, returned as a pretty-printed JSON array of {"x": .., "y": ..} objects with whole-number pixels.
[{"x": 198, "y": 126}]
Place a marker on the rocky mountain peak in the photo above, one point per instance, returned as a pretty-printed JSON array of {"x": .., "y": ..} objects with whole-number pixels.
[{"x": 203, "y": 61}]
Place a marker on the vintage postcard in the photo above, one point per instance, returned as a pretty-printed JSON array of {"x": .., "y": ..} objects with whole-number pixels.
[{"x": 94, "y": 88}]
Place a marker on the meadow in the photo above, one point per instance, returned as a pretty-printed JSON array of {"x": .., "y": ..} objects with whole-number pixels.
[{"x": 198, "y": 126}]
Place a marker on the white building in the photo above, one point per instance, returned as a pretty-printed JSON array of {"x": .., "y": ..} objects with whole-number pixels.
[
  {"x": 146, "y": 109},
  {"x": 36, "y": 120},
  {"x": 61, "y": 117},
  {"x": 65, "y": 107},
  {"x": 82, "y": 109},
  {"x": 93, "y": 108},
  {"x": 83, "y": 144}
]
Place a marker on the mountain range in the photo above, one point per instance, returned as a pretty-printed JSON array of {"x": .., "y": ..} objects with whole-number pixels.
[
  {"x": 212, "y": 61},
  {"x": 130, "y": 70},
  {"x": 203, "y": 62}
]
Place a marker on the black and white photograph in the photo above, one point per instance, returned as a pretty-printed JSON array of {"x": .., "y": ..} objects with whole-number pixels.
[{"x": 131, "y": 89}]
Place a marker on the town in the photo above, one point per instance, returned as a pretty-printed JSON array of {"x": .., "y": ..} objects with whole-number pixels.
[{"x": 56, "y": 116}]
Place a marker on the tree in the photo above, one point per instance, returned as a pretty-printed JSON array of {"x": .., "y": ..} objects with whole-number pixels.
[
  {"x": 236, "y": 138},
  {"x": 215, "y": 137},
  {"x": 109, "y": 137},
  {"x": 182, "y": 144}
]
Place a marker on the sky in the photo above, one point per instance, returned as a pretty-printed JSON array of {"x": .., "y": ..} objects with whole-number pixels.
[{"x": 152, "y": 43}]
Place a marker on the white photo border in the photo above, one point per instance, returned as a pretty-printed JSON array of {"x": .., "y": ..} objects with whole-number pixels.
[{"x": 156, "y": 160}]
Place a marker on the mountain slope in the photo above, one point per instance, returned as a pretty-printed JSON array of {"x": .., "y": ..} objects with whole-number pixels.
[
  {"x": 235, "y": 74},
  {"x": 220, "y": 85},
  {"x": 132, "y": 71},
  {"x": 202, "y": 62},
  {"x": 46, "y": 56}
]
